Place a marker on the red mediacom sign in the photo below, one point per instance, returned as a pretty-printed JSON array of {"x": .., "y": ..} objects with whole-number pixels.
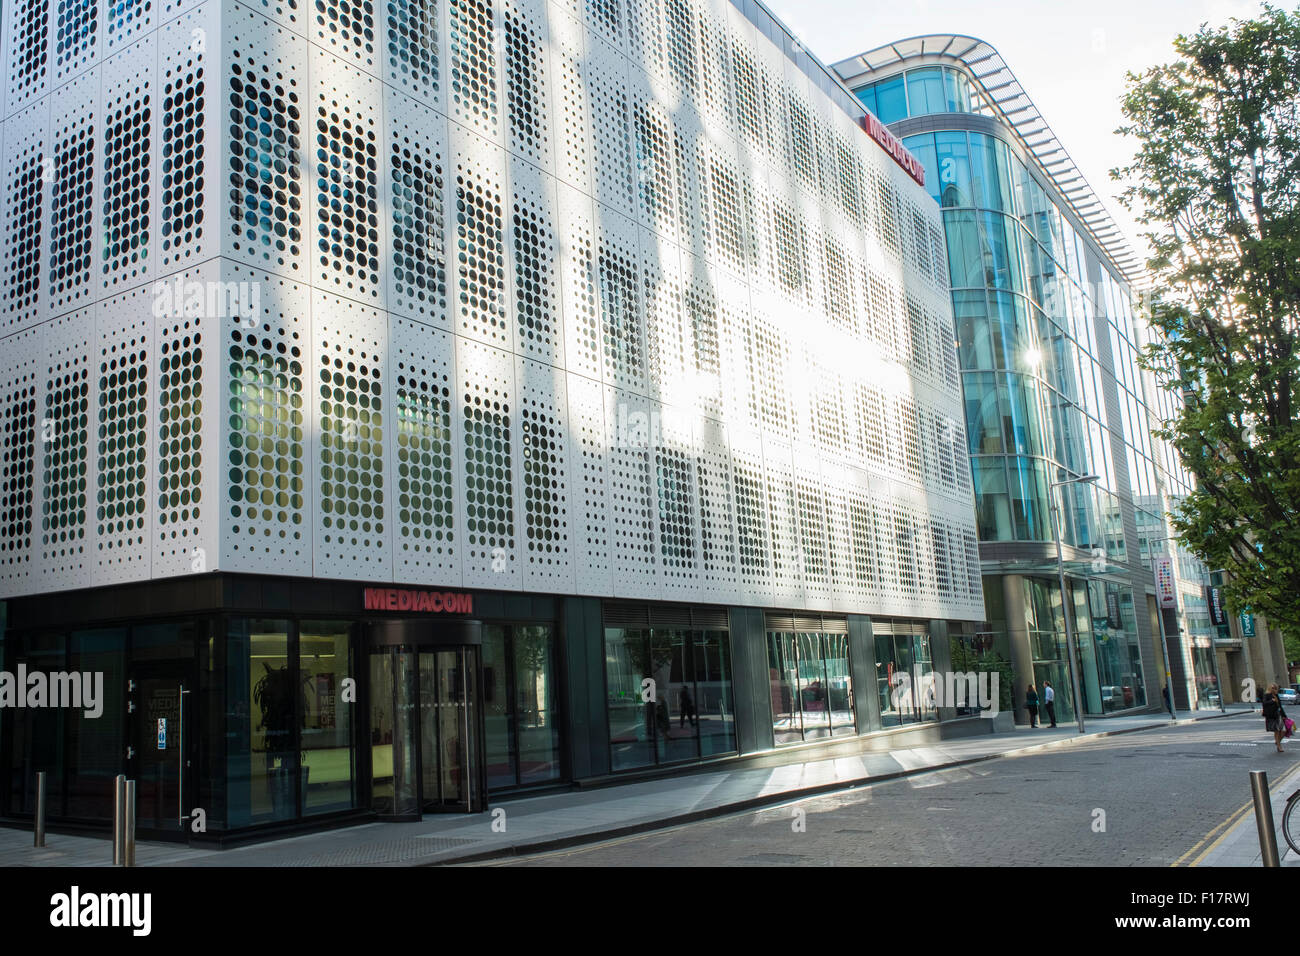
[
  {"x": 404, "y": 599},
  {"x": 892, "y": 145}
]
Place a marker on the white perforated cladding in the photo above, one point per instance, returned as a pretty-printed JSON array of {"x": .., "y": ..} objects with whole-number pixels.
[
  {"x": 677, "y": 494},
  {"x": 187, "y": 420},
  {"x": 125, "y": 400},
  {"x": 29, "y": 168},
  {"x": 715, "y": 495},
  {"x": 629, "y": 436},
  {"x": 418, "y": 203},
  {"x": 189, "y": 139},
  {"x": 415, "y": 60},
  {"x": 479, "y": 237},
  {"x": 20, "y": 438},
  {"x": 474, "y": 70},
  {"x": 347, "y": 29},
  {"x": 534, "y": 279},
  {"x": 488, "y": 432},
  {"x": 347, "y": 241},
  {"x": 128, "y": 213},
  {"x": 264, "y": 84},
  {"x": 268, "y": 377},
  {"x": 64, "y": 451},
  {"x": 73, "y": 250},
  {"x": 526, "y": 42},
  {"x": 588, "y": 476},
  {"x": 578, "y": 280},
  {"x": 425, "y": 455},
  {"x": 127, "y": 21},
  {"x": 352, "y": 425},
  {"x": 588, "y": 296},
  {"x": 571, "y": 104},
  {"x": 783, "y": 522},
  {"x": 544, "y": 476},
  {"x": 27, "y": 52}
]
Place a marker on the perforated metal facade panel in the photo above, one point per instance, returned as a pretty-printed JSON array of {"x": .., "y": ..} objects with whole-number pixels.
[{"x": 568, "y": 296}]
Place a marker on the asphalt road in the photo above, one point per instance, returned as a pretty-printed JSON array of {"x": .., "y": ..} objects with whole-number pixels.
[{"x": 1152, "y": 798}]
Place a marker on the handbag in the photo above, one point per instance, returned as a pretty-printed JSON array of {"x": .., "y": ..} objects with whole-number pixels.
[{"x": 1289, "y": 724}]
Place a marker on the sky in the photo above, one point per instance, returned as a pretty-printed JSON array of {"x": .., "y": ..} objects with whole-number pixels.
[{"x": 1071, "y": 57}]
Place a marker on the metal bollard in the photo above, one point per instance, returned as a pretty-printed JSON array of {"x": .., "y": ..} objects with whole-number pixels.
[
  {"x": 1264, "y": 817},
  {"x": 128, "y": 841},
  {"x": 119, "y": 817},
  {"x": 40, "y": 808}
]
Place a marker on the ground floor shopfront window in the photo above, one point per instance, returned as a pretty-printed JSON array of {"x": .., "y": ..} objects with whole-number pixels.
[
  {"x": 521, "y": 706},
  {"x": 668, "y": 695},
  {"x": 1047, "y": 646},
  {"x": 290, "y": 748},
  {"x": 140, "y": 677},
  {"x": 1109, "y": 650},
  {"x": 811, "y": 686},
  {"x": 1204, "y": 676},
  {"x": 904, "y": 676},
  {"x": 264, "y": 720}
]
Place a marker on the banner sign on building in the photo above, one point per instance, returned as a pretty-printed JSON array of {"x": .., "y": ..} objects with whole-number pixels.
[
  {"x": 1165, "y": 593},
  {"x": 1247, "y": 624},
  {"x": 1214, "y": 600},
  {"x": 892, "y": 145}
]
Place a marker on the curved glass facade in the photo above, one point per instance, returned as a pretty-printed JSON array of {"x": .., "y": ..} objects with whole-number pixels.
[
  {"x": 1048, "y": 348},
  {"x": 1032, "y": 367},
  {"x": 928, "y": 89}
]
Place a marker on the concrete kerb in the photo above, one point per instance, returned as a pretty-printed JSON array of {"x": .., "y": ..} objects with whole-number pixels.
[{"x": 788, "y": 796}]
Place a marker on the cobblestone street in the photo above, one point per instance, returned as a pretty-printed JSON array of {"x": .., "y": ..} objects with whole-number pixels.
[{"x": 1158, "y": 794}]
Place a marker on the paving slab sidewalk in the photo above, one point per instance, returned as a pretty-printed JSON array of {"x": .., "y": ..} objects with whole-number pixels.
[
  {"x": 1239, "y": 845},
  {"x": 553, "y": 821}
]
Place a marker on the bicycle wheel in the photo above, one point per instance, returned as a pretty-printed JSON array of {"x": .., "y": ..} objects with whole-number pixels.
[{"x": 1289, "y": 819}]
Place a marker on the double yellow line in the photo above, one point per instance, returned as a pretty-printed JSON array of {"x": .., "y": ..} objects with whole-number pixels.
[{"x": 1220, "y": 833}]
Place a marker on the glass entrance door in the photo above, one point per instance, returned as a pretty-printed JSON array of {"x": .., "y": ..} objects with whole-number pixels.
[
  {"x": 393, "y": 693},
  {"x": 432, "y": 760},
  {"x": 158, "y": 744},
  {"x": 449, "y": 730}
]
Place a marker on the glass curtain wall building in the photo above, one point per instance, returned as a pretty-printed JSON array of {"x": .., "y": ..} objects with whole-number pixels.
[
  {"x": 420, "y": 401},
  {"x": 1048, "y": 336}
]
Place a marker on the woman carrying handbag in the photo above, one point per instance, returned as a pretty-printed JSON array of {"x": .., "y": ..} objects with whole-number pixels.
[
  {"x": 1275, "y": 719},
  {"x": 1031, "y": 705}
]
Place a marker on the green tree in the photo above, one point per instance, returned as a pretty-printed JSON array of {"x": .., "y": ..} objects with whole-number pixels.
[{"x": 1216, "y": 182}]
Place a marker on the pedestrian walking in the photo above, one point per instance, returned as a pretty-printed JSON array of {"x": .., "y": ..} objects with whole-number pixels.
[
  {"x": 1274, "y": 716},
  {"x": 1031, "y": 705},
  {"x": 1049, "y": 701},
  {"x": 687, "y": 707}
]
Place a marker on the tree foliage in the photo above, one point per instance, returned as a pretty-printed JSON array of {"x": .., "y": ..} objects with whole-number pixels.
[{"x": 1216, "y": 182}]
